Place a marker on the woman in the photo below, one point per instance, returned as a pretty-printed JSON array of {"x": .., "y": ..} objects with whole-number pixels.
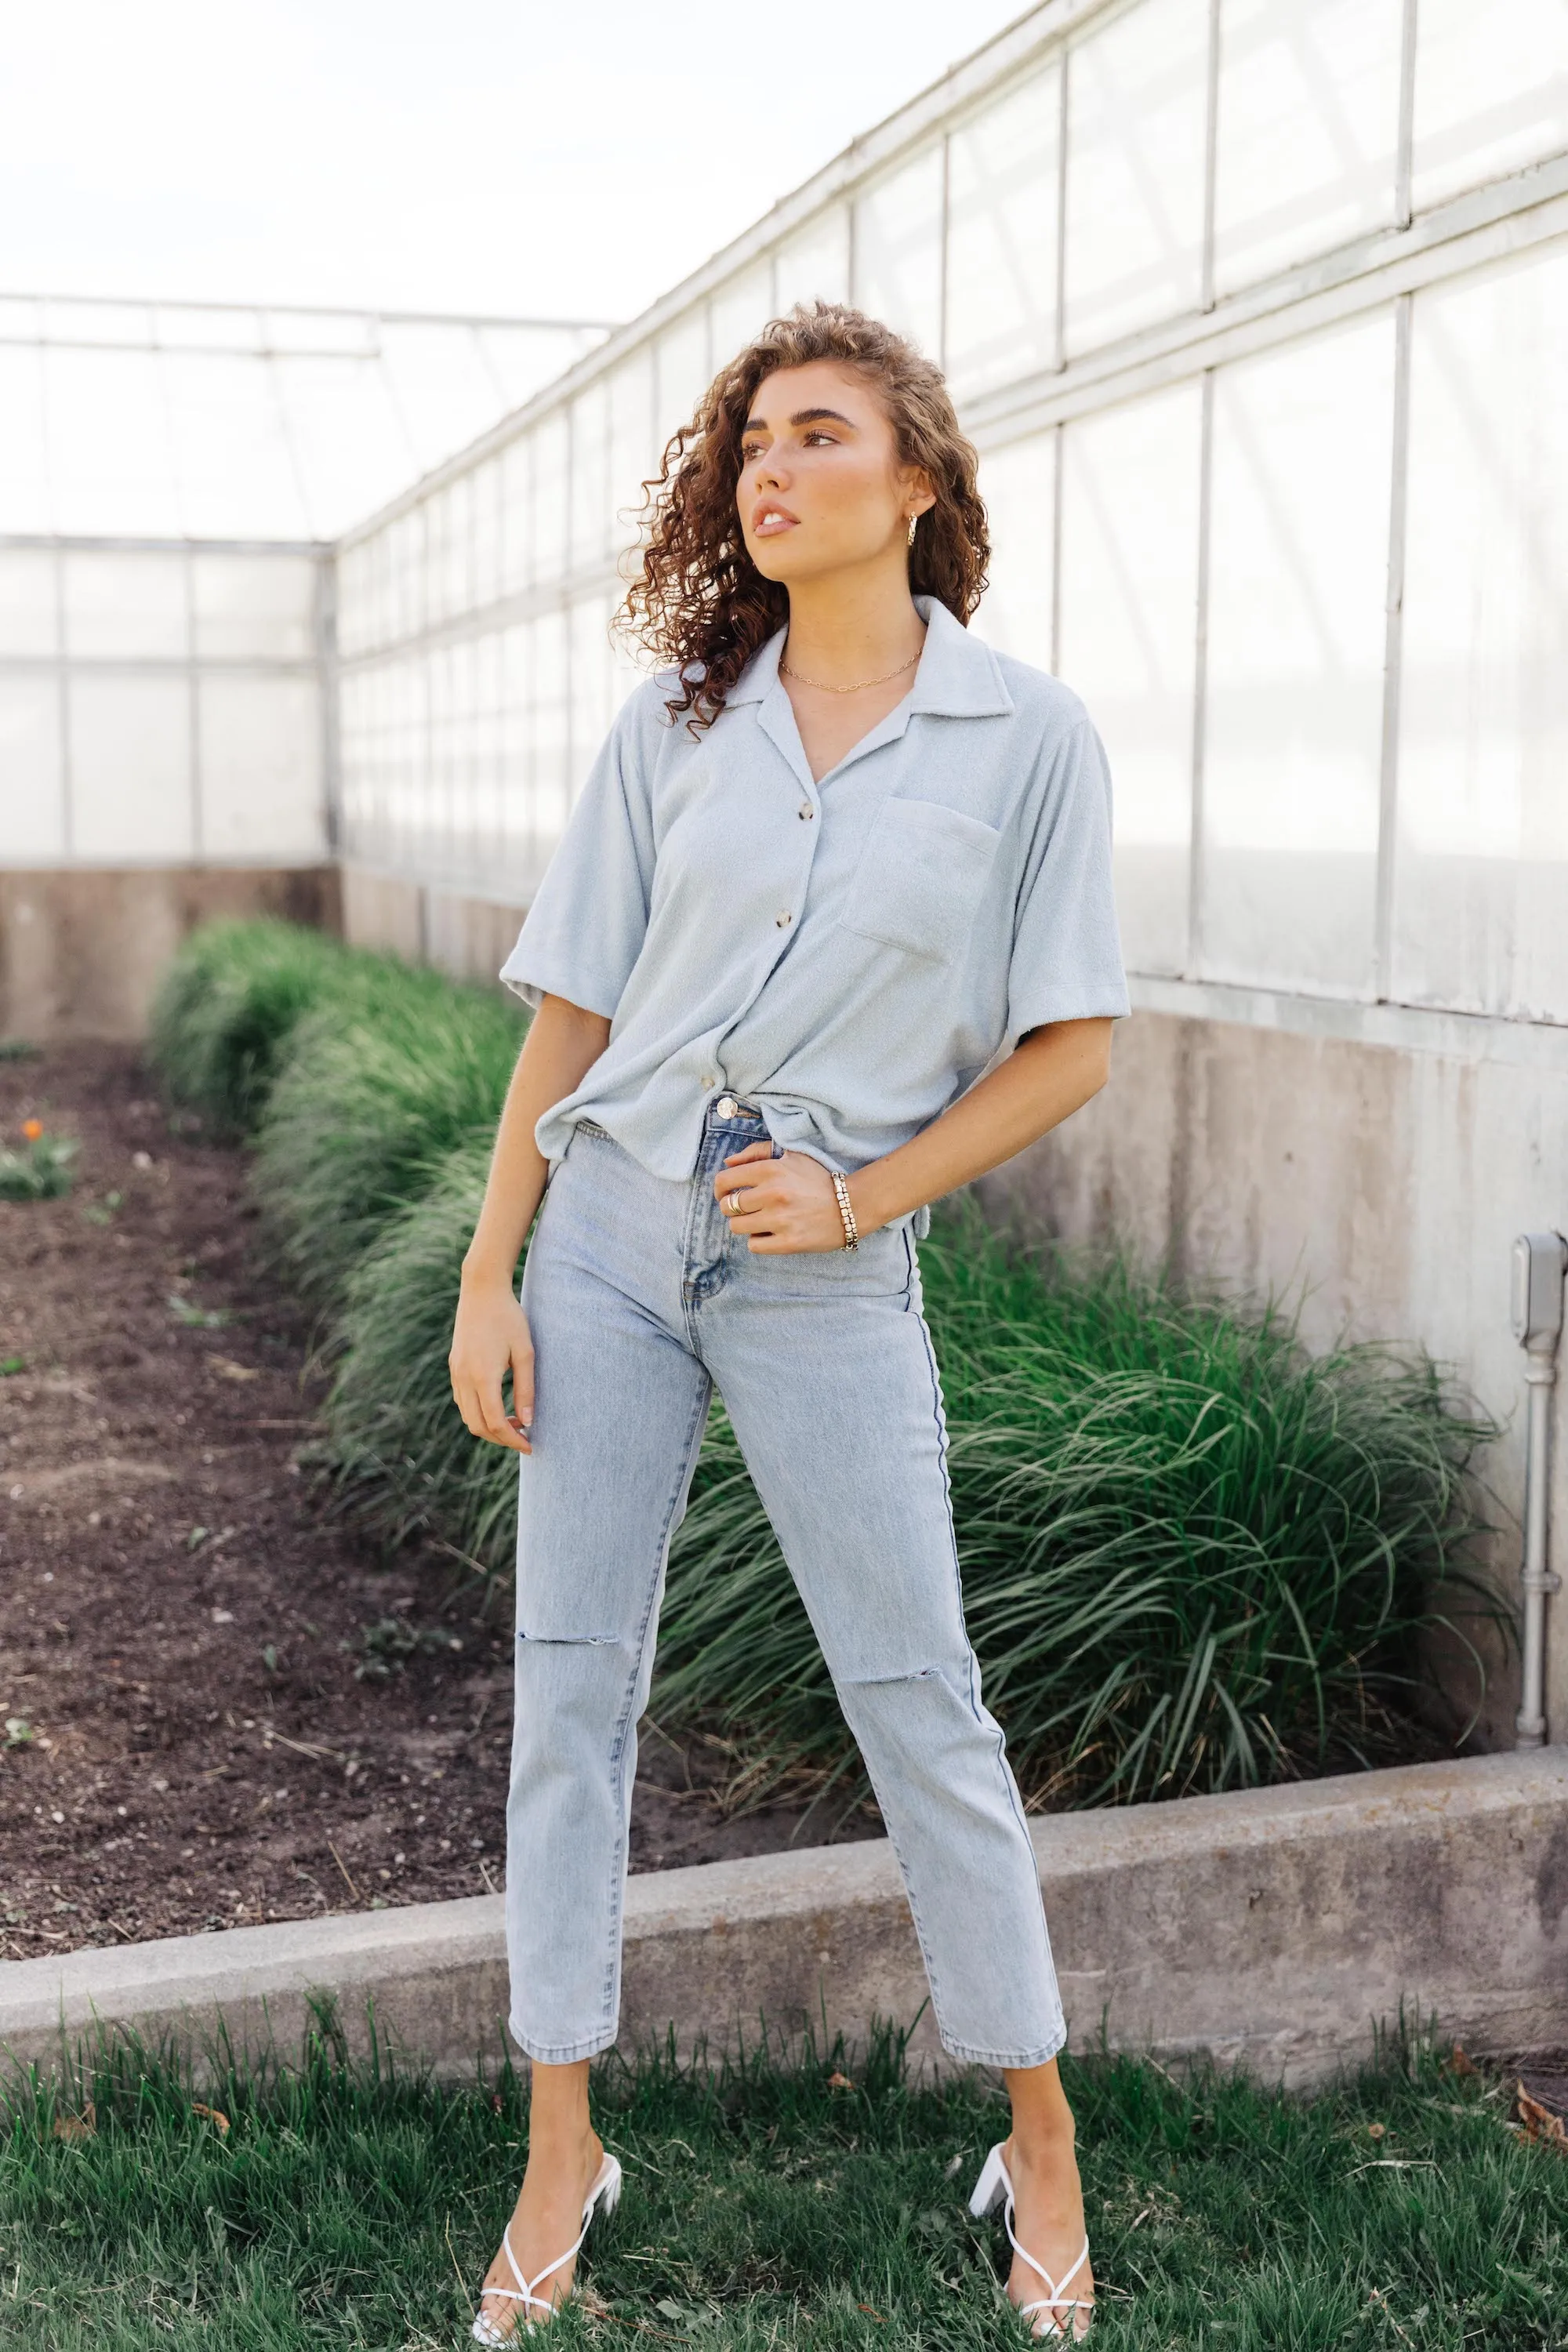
[{"x": 826, "y": 867}]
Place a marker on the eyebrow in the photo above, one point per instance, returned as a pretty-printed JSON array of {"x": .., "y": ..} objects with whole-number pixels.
[{"x": 801, "y": 416}]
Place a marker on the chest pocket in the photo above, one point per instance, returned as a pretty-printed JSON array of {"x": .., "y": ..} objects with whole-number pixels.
[{"x": 918, "y": 881}]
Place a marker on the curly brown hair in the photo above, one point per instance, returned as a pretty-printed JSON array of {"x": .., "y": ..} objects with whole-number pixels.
[{"x": 700, "y": 605}]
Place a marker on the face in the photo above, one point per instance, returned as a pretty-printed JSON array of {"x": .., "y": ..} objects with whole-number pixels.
[{"x": 821, "y": 486}]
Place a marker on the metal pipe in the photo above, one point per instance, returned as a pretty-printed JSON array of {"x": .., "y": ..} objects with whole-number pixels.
[{"x": 1540, "y": 1265}]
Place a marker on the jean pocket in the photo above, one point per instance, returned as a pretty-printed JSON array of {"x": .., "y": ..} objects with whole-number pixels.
[{"x": 919, "y": 878}]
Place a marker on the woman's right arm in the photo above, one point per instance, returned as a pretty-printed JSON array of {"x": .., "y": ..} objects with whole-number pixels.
[{"x": 490, "y": 1335}]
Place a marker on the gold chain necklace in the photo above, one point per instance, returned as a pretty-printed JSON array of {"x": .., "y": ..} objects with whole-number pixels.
[{"x": 860, "y": 684}]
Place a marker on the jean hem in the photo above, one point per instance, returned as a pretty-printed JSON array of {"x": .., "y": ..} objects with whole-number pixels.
[
  {"x": 561, "y": 2054},
  {"x": 974, "y": 2057}
]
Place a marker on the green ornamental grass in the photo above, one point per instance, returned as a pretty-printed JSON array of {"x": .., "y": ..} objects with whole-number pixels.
[
  {"x": 226, "y": 1009},
  {"x": 769, "y": 2206},
  {"x": 402, "y": 1458},
  {"x": 366, "y": 1109}
]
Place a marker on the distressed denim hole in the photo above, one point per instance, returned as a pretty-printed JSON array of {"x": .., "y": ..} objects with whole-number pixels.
[{"x": 569, "y": 1640}]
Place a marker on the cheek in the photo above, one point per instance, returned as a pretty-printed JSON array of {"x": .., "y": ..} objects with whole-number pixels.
[{"x": 867, "y": 496}]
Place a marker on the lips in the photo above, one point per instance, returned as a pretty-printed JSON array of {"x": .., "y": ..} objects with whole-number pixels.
[{"x": 769, "y": 519}]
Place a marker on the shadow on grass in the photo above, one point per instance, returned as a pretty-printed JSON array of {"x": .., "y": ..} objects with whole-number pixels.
[{"x": 768, "y": 2201}]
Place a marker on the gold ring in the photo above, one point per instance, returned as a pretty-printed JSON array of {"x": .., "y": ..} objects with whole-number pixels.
[{"x": 733, "y": 1205}]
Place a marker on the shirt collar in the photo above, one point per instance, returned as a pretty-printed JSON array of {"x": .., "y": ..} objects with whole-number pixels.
[{"x": 957, "y": 677}]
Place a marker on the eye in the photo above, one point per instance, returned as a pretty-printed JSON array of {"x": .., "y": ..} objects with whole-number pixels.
[{"x": 820, "y": 433}]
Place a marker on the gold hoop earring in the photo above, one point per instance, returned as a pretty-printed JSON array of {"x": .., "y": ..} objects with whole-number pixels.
[{"x": 913, "y": 520}]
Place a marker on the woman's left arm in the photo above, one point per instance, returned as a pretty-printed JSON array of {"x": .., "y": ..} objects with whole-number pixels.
[{"x": 790, "y": 1204}]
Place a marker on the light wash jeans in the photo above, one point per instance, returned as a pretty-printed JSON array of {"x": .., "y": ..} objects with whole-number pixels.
[{"x": 641, "y": 1303}]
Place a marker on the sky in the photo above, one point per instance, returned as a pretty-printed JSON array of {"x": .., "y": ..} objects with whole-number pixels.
[{"x": 503, "y": 156}]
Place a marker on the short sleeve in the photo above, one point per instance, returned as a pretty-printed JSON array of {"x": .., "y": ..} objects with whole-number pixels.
[
  {"x": 1066, "y": 954},
  {"x": 585, "y": 930}
]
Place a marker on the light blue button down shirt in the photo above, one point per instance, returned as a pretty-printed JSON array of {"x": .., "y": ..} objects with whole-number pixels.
[{"x": 849, "y": 955}]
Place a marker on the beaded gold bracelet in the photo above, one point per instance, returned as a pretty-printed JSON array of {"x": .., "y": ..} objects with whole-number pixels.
[{"x": 841, "y": 1191}]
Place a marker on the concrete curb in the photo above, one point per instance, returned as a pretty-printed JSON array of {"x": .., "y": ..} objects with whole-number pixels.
[{"x": 1273, "y": 1928}]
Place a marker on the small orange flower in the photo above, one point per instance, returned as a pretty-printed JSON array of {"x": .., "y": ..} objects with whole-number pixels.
[{"x": 32, "y": 1128}]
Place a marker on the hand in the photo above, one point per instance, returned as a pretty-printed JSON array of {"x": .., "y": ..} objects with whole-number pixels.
[
  {"x": 781, "y": 1205},
  {"x": 490, "y": 1337}
]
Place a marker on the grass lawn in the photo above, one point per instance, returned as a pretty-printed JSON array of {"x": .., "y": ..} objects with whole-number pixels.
[{"x": 771, "y": 2207}]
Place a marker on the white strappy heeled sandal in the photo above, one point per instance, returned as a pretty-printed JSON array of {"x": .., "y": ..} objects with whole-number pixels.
[
  {"x": 604, "y": 2193},
  {"x": 993, "y": 2187}
]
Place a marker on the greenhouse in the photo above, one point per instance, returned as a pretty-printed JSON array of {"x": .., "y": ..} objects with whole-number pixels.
[{"x": 1257, "y": 311}]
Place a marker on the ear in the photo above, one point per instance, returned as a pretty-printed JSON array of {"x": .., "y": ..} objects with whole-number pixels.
[{"x": 918, "y": 493}]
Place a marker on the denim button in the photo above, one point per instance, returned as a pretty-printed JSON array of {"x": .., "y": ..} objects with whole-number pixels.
[{"x": 727, "y": 1106}]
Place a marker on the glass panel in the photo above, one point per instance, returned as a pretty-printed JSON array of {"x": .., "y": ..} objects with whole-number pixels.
[
  {"x": 461, "y": 727},
  {"x": 590, "y": 685},
  {"x": 444, "y": 390},
  {"x": 110, "y": 459},
  {"x": 1002, "y": 238},
  {"x": 408, "y": 582},
  {"x": 1019, "y": 486},
  {"x": 1481, "y": 870},
  {"x": 898, "y": 251},
  {"x": 350, "y": 449},
  {"x": 633, "y": 456},
  {"x": 459, "y": 563},
  {"x": 739, "y": 311},
  {"x": 522, "y": 360},
  {"x": 236, "y": 475},
  {"x": 551, "y": 791},
  {"x": 1137, "y": 109},
  {"x": 517, "y": 515},
  {"x": 1129, "y": 643},
  {"x": 354, "y": 577},
  {"x": 1308, "y": 124},
  {"x": 408, "y": 761},
  {"x": 484, "y": 820},
  {"x": 1297, "y": 579},
  {"x": 32, "y": 806},
  {"x": 813, "y": 265},
  {"x": 515, "y": 842},
  {"x": 1491, "y": 91},
  {"x": 130, "y": 770},
  {"x": 435, "y": 802},
  {"x": 261, "y": 769},
  {"x": 484, "y": 523},
  {"x": 127, "y": 607},
  {"x": 29, "y": 602},
  {"x": 683, "y": 371},
  {"x": 254, "y": 608},
  {"x": 590, "y": 483},
  {"x": 550, "y": 499},
  {"x": 25, "y": 504}
]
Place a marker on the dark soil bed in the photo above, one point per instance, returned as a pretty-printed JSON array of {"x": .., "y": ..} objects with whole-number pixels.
[{"x": 216, "y": 1706}]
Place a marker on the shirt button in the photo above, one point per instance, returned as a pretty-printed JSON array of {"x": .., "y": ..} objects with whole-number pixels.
[
  {"x": 727, "y": 1106},
  {"x": 707, "y": 1079},
  {"x": 806, "y": 811},
  {"x": 783, "y": 921}
]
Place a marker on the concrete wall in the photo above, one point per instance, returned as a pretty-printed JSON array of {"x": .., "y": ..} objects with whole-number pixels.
[
  {"x": 469, "y": 938},
  {"x": 82, "y": 948},
  {"x": 1379, "y": 1183},
  {"x": 1272, "y": 1928}
]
